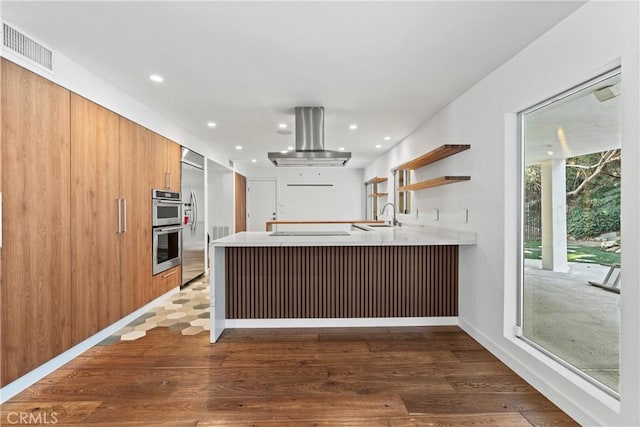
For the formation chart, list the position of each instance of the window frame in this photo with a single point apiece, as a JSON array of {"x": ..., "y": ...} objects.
[{"x": 519, "y": 333}]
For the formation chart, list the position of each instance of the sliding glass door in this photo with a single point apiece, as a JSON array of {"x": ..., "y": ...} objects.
[{"x": 570, "y": 228}]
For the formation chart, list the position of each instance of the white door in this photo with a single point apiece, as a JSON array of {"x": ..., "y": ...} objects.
[{"x": 261, "y": 203}]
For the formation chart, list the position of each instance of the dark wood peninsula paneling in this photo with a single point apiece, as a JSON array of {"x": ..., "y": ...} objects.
[{"x": 341, "y": 282}]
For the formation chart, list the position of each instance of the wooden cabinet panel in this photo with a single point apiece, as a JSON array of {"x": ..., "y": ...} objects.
[
  {"x": 240, "y": 202},
  {"x": 36, "y": 280},
  {"x": 135, "y": 189},
  {"x": 157, "y": 167},
  {"x": 173, "y": 166},
  {"x": 167, "y": 280},
  {"x": 165, "y": 163},
  {"x": 95, "y": 241}
]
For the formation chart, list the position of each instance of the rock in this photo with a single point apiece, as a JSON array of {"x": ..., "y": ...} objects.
[
  {"x": 608, "y": 244},
  {"x": 608, "y": 236},
  {"x": 618, "y": 250}
]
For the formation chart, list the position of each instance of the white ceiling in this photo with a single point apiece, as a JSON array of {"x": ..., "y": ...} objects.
[
  {"x": 575, "y": 125},
  {"x": 386, "y": 66}
]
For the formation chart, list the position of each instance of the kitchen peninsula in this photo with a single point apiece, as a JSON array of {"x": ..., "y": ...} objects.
[{"x": 263, "y": 279}]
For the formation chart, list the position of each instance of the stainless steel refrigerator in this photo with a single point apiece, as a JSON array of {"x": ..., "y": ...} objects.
[{"x": 193, "y": 234}]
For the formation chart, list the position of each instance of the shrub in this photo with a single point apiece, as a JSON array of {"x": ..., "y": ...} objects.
[{"x": 593, "y": 221}]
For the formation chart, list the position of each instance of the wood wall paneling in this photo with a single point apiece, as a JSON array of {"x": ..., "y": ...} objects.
[
  {"x": 240, "y": 202},
  {"x": 95, "y": 241},
  {"x": 341, "y": 282},
  {"x": 136, "y": 163},
  {"x": 36, "y": 282}
]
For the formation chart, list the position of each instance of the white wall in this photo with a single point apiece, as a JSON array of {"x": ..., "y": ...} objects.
[
  {"x": 597, "y": 37},
  {"x": 343, "y": 201},
  {"x": 220, "y": 196}
]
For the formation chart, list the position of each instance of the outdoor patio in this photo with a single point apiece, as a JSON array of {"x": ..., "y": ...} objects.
[{"x": 577, "y": 322}]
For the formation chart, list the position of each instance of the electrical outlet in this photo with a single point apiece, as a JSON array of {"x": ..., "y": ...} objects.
[
  {"x": 465, "y": 215},
  {"x": 436, "y": 214}
]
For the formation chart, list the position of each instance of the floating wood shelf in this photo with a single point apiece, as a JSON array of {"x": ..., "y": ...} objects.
[
  {"x": 436, "y": 182},
  {"x": 378, "y": 194},
  {"x": 433, "y": 156},
  {"x": 377, "y": 180}
]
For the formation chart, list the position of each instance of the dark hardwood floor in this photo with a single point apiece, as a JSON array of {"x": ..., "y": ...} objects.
[{"x": 426, "y": 376}]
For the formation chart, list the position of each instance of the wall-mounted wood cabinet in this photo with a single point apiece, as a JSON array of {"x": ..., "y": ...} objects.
[
  {"x": 166, "y": 156},
  {"x": 36, "y": 253},
  {"x": 76, "y": 254},
  {"x": 96, "y": 217},
  {"x": 117, "y": 163},
  {"x": 136, "y": 160}
]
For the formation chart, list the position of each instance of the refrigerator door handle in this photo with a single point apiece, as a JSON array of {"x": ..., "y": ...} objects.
[{"x": 195, "y": 210}]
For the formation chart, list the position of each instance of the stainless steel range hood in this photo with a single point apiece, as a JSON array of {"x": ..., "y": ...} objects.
[{"x": 310, "y": 143}]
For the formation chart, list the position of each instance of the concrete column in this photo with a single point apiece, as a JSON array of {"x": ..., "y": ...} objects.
[{"x": 554, "y": 215}]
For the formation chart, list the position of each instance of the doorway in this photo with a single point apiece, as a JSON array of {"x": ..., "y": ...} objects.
[{"x": 261, "y": 203}]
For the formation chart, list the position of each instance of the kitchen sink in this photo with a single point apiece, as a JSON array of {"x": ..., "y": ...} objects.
[{"x": 380, "y": 225}]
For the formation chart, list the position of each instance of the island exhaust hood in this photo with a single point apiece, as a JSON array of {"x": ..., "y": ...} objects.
[{"x": 310, "y": 143}]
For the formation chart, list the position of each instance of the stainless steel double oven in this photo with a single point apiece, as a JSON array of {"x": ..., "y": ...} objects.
[{"x": 167, "y": 229}]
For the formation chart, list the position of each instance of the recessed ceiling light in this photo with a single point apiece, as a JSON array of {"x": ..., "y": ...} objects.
[
  {"x": 282, "y": 125},
  {"x": 289, "y": 148},
  {"x": 378, "y": 145},
  {"x": 253, "y": 160},
  {"x": 353, "y": 127},
  {"x": 341, "y": 149},
  {"x": 550, "y": 153},
  {"x": 211, "y": 124},
  {"x": 284, "y": 151},
  {"x": 238, "y": 147},
  {"x": 387, "y": 138},
  {"x": 156, "y": 78}
]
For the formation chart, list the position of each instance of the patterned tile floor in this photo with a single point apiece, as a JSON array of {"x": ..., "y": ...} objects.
[{"x": 186, "y": 312}]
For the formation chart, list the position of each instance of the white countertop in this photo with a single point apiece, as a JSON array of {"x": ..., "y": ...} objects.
[{"x": 396, "y": 236}]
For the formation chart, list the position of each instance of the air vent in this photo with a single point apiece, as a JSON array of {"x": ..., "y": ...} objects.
[{"x": 26, "y": 47}]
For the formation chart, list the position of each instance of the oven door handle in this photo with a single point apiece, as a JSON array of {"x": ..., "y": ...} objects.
[
  {"x": 167, "y": 229},
  {"x": 167, "y": 202}
]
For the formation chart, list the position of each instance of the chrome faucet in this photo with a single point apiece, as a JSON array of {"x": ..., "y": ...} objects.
[{"x": 393, "y": 209}]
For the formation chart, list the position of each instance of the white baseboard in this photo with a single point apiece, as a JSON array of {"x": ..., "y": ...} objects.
[
  {"x": 581, "y": 413},
  {"x": 25, "y": 381},
  {"x": 344, "y": 323}
]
